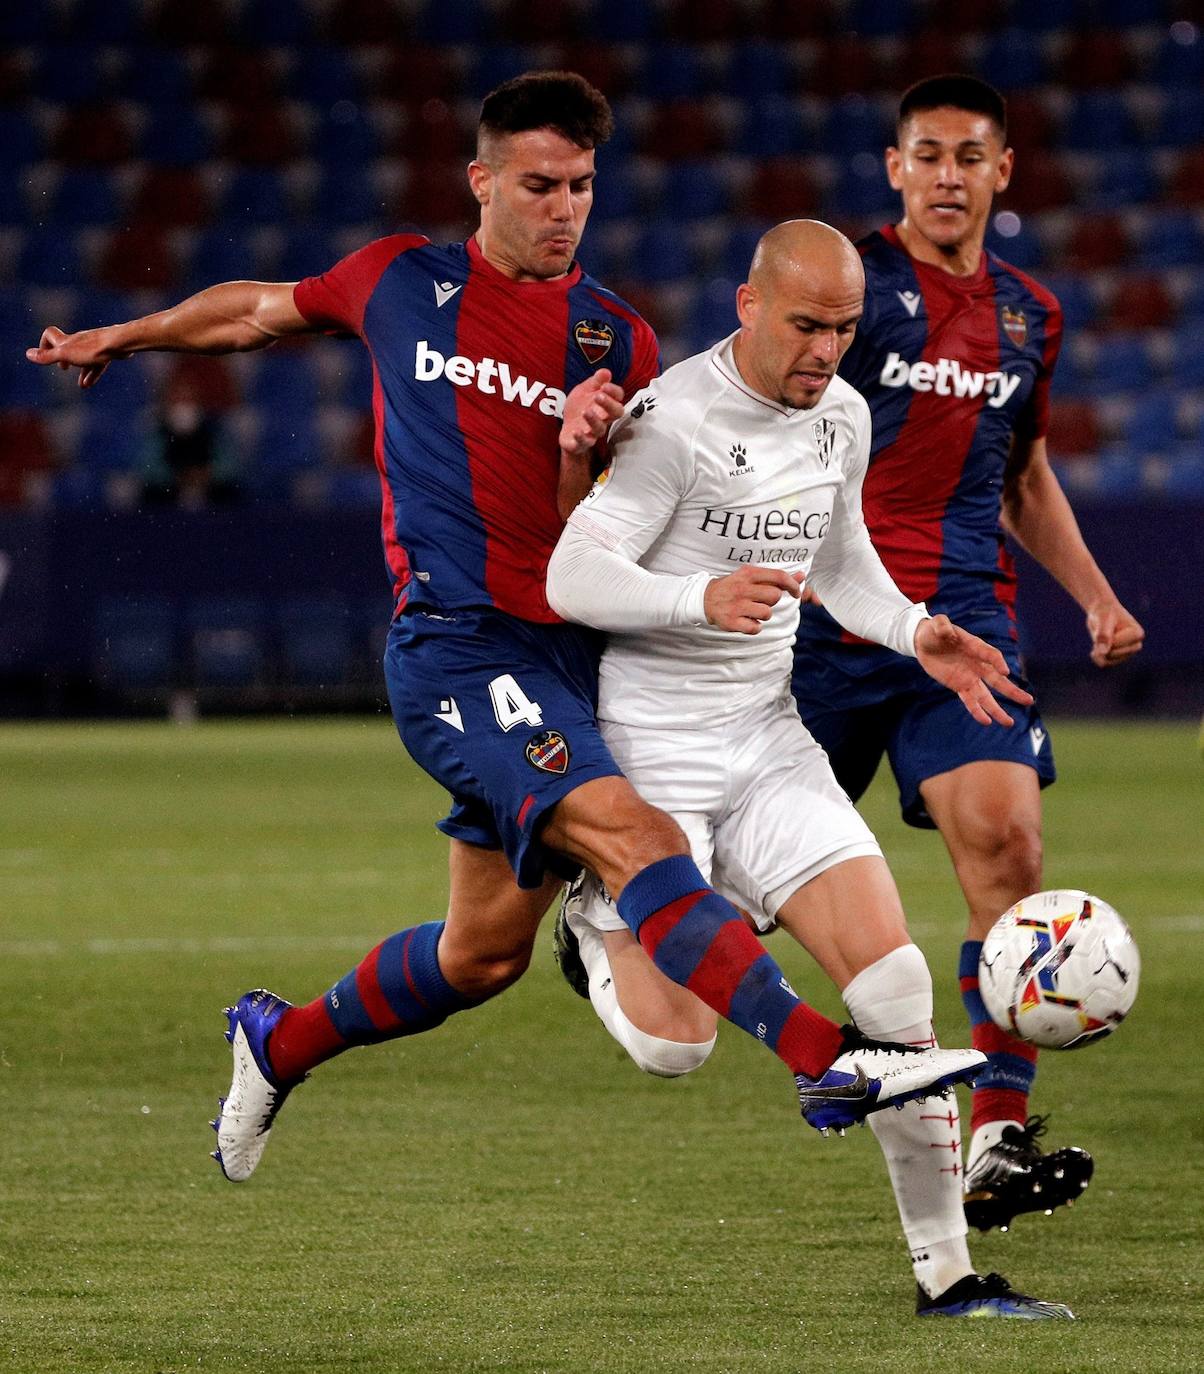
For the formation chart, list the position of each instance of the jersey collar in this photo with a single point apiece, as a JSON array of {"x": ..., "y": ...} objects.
[
  {"x": 723, "y": 360},
  {"x": 931, "y": 272}
]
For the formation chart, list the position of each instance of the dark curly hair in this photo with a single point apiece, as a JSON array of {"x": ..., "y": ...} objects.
[{"x": 562, "y": 101}]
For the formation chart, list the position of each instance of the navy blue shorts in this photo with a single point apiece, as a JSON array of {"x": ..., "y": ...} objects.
[
  {"x": 501, "y": 712},
  {"x": 862, "y": 703}
]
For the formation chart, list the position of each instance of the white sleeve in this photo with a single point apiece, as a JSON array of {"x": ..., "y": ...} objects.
[
  {"x": 848, "y": 575},
  {"x": 594, "y": 575}
]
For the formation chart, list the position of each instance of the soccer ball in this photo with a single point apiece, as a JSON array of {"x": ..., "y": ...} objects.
[{"x": 1059, "y": 969}]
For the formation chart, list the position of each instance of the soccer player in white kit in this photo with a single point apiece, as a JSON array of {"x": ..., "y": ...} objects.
[{"x": 734, "y": 479}]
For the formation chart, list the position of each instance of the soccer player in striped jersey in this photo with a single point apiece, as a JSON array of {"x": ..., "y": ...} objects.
[
  {"x": 954, "y": 354},
  {"x": 492, "y": 383}
]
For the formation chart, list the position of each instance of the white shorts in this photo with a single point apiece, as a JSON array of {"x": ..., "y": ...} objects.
[{"x": 758, "y": 802}]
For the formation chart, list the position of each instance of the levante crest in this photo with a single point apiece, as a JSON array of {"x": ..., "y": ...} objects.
[
  {"x": 1015, "y": 326},
  {"x": 594, "y": 338}
]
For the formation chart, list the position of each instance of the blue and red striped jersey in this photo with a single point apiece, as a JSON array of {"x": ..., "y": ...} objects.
[
  {"x": 952, "y": 367},
  {"x": 470, "y": 374}
]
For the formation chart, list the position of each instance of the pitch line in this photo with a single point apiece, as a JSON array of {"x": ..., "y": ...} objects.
[
  {"x": 1189, "y": 924},
  {"x": 174, "y": 944}
]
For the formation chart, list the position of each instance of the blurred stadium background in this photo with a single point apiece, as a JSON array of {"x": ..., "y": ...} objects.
[{"x": 151, "y": 147}]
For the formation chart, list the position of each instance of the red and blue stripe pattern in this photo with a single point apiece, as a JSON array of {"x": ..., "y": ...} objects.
[
  {"x": 470, "y": 374},
  {"x": 397, "y": 989},
  {"x": 951, "y": 367},
  {"x": 1001, "y": 1091},
  {"x": 698, "y": 939}
]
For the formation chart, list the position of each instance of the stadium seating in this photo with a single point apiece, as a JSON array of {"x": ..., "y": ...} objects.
[
  {"x": 227, "y": 641},
  {"x": 148, "y": 149},
  {"x": 135, "y": 643},
  {"x": 1184, "y": 477},
  {"x": 315, "y": 641}
]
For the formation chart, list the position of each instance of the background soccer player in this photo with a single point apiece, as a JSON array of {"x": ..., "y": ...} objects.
[
  {"x": 954, "y": 354},
  {"x": 476, "y": 349}
]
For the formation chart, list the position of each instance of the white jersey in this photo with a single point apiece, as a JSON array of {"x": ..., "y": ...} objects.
[{"x": 706, "y": 475}]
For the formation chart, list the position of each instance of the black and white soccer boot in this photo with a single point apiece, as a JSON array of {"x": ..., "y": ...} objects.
[
  {"x": 869, "y": 1075},
  {"x": 1015, "y": 1175},
  {"x": 565, "y": 944},
  {"x": 988, "y": 1295}
]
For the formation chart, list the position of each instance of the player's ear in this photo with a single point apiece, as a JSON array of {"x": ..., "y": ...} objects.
[
  {"x": 747, "y": 302},
  {"x": 1006, "y": 163},
  {"x": 894, "y": 168},
  {"x": 480, "y": 180}
]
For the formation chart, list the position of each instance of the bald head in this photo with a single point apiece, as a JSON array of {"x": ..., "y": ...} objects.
[
  {"x": 798, "y": 311},
  {"x": 808, "y": 255}
]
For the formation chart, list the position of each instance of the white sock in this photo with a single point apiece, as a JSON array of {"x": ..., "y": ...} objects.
[
  {"x": 892, "y": 1000},
  {"x": 988, "y": 1134},
  {"x": 664, "y": 1058}
]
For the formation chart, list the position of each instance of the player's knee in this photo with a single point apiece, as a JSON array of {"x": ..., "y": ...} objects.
[
  {"x": 636, "y": 836},
  {"x": 609, "y": 827},
  {"x": 663, "y": 1057},
  {"x": 1026, "y": 855},
  {"x": 646, "y": 834},
  {"x": 892, "y": 993},
  {"x": 1011, "y": 849}
]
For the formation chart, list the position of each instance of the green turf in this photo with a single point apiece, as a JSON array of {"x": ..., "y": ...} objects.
[{"x": 507, "y": 1193}]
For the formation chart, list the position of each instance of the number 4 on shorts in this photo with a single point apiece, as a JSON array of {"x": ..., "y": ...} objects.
[{"x": 511, "y": 705}]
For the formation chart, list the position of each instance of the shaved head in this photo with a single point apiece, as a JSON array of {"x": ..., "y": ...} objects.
[
  {"x": 798, "y": 311},
  {"x": 809, "y": 253}
]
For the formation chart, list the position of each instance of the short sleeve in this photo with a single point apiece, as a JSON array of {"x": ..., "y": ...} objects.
[
  {"x": 337, "y": 299},
  {"x": 1033, "y": 420},
  {"x": 645, "y": 360}
]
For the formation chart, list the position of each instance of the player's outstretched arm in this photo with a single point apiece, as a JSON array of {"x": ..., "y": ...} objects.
[
  {"x": 969, "y": 666},
  {"x": 1037, "y": 513},
  {"x": 233, "y": 317}
]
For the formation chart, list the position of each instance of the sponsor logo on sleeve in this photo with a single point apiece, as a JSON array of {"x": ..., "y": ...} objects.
[{"x": 600, "y": 481}]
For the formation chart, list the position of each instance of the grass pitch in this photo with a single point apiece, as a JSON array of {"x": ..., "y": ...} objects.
[{"x": 508, "y": 1193}]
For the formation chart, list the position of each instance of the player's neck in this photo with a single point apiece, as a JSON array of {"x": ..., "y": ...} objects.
[
  {"x": 959, "y": 260},
  {"x": 500, "y": 261},
  {"x": 747, "y": 372}
]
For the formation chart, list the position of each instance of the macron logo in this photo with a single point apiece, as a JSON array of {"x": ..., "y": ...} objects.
[
  {"x": 947, "y": 378},
  {"x": 444, "y": 291},
  {"x": 448, "y": 711},
  {"x": 430, "y": 365}
]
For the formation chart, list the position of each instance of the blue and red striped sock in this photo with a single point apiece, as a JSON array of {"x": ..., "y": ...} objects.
[
  {"x": 398, "y": 989},
  {"x": 1001, "y": 1090},
  {"x": 697, "y": 938}
]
